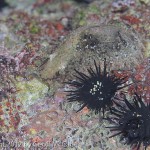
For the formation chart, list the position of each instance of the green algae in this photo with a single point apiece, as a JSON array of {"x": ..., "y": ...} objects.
[
  {"x": 31, "y": 91},
  {"x": 33, "y": 28},
  {"x": 147, "y": 49}
]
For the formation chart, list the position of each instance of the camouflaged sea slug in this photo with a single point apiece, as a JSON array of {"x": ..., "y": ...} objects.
[{"x": 117, "y": 42}]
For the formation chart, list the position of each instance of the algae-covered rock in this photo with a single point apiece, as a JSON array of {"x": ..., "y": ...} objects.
[
  {"x": 145, "y": 1},
  {"x": 147, "y": 48},
  {"x": 21, "y": 4},
  {"x": 9, "y": 43},
  {"x": 30, "y": 91},
  {"x": 116, "y": 42}
]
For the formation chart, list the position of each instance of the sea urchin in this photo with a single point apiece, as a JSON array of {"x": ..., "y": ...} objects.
[
  {"x": 133, "y": 122},
  {"x": 96, "y": 90}
]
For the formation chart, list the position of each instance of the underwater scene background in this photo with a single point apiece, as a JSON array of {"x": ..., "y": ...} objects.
[{"x": 74, "y": 74}]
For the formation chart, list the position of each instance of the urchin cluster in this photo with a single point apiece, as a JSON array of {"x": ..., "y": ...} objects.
[
  {"x": 132, "y": 122},
  {"x": 95, "y": 90}
]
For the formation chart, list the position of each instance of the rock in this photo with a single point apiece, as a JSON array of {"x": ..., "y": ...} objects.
[
  {"x": 9, "y": 43},
  {"x": 29, "y": 92}
]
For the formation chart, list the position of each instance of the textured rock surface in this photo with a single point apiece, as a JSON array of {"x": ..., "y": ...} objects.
[
  {"x": 30, "y": 91},
  {"x": 30, "y": 33}
]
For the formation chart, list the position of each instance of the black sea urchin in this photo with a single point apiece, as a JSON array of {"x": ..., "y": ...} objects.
[
  {"x": 133, "y": 122},
  {"x": 84, "y": 1},
  {"x": 96, "y": 90},
  {"x": 3, "y": 4}
]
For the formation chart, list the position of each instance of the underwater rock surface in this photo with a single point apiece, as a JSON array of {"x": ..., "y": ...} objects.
[{"x": 30, "y": 91}]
